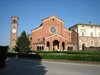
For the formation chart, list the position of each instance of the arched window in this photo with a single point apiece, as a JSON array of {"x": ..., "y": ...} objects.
[
  {"x": 91, "y": 34},
  {"x": 48, "y": 45},
  {"x": 42, "y": 47},
  {"x": 37, "y": 47},
  {"x": 14, "y": 21},
  {"x": 82, "y": 33}
]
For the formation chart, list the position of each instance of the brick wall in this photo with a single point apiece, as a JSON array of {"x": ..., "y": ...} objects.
[{"x": 43, "y": 31}]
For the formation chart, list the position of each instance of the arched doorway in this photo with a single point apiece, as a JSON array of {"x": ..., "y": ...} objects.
[
  {"x": 55, "y": 45},
  {"x": 48, "y": 45},
  {"x": 83, "y": 46},
  {"x": 63, "y": 45},
  {"x": 38, "y": 48}
]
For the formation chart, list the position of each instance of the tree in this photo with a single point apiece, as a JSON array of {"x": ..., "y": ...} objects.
[{"x": 23, "y": 43}]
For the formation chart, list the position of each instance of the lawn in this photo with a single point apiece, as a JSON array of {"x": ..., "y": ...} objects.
[{"x": 61, "y": 55}]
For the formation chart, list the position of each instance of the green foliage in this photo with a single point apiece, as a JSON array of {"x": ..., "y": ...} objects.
[
  {"x": 74, "y": 57},
  {"x": 12, "y": 55},
  {"x": 70, "y": 55},
  {"x": 84, "y": 52},
  {"x": 67, "y": 55},
  {"x": 49, "y": 52},
  {"x": 69, "y": 52},
  {"x": 7, "y": 46},
  {"x": 24, "y": 56},
  {"x": 29, "y": 56},
  {"x": 23, "y": 43}
]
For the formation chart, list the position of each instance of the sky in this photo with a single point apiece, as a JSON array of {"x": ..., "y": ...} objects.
[{"x": 31, "y": 12}]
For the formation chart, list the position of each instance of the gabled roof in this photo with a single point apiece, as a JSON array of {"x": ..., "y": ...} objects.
[
  {"x": 37, "y": 28},
  {"x": 47, "y": 19},
  {"x": 52, "y": 17}
]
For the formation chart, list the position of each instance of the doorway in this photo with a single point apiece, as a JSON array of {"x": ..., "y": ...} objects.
[
  {"x": 55, "y": 45},
  {"x": 63, "y": 45}
]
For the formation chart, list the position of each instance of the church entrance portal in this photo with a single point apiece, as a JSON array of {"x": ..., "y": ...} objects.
[{"x": 55, "y": 45}]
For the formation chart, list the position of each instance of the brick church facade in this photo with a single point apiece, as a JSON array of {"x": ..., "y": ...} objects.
[{"x": 52, "y": 35}]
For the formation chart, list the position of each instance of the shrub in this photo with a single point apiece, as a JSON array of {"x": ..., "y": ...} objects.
[
  {"x": 24, "y": 56},
  {"x": 75, "y": 57},
  {"x": 84, "y": 52},
  {"x": 69, "y": 52},
  {"x": 29, "y": 56},
  {"x": 12, "y": 55},
  {"x": 49, "y": 52},
  {"x": 60, "y": 55}
]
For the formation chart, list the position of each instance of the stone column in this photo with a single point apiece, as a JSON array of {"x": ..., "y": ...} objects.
[
  {"x": 51, "y": 46},
  {"x": 45, "y": 48},
  {"x": 66, "y": 45}
]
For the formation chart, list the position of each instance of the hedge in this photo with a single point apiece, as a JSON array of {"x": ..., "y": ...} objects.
[
  {"x": 74, "y": 57},
  {"x": 12, "y": 55},
  {"x": 84, "y": 52},
  {"x": 69, "y": 52},
  {"x": 49, "y": 51},
  {"x": 24, "y": 56},
  {"x": 66, "y": 55}
]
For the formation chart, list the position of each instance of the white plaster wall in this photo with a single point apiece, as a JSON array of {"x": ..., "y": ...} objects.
[
  {"x": 88, "y": 30},
  {"x": 97, "y": 31}
]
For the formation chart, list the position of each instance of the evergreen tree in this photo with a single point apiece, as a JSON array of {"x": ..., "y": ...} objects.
[{"x": 23, "y": 43}]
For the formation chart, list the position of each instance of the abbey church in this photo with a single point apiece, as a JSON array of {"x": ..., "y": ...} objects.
[{"x": 51, "y": 35}]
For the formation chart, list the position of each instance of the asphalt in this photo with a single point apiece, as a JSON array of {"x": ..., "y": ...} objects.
[
  {"x": 31, "y": 67},
  {"x": 22, "y": 67}
]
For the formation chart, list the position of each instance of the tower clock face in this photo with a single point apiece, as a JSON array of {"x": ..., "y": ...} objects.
[
  {"x": 53, "y": 29},
  {"x": 13, "y": 30}
]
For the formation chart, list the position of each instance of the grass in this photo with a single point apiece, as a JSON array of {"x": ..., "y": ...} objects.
[
  {"x": 62, "y": 55},
  {"x": 69, "y": 52},
  {"x": 71, "y": 55},
  {"x": 75, "y": 57}
]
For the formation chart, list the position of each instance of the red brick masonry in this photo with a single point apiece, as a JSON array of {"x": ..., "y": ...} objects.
[{"x": 52, "y": 35}]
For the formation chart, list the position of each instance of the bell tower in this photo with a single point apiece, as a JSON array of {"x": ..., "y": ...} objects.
[{"x": 14, "y": 31}]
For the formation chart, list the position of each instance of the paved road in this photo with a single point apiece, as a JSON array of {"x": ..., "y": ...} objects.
[
  {"x": 30, "y": 67},
  {"x": 61, "y": 68}
]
